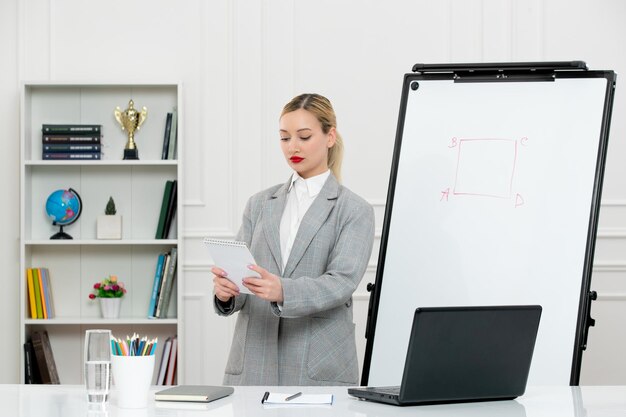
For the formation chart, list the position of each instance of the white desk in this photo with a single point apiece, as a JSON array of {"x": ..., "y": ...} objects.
[{"x": 70, "y": 401}]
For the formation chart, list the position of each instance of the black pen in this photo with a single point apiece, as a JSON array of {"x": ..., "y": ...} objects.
[
  {"x": 267, "y": 394},
  {"x": 291, "y": 397}
]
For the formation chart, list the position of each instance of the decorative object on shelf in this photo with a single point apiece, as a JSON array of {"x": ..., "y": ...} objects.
[
  {"x": 110, "y": 292},
  {"x": 64, "y": 208},
  {"x": 131, "y": 120},
  {"x": 71, "y": 141},
  {"x": 109, "y": 225},
  {"x": 110, "y": 307}
]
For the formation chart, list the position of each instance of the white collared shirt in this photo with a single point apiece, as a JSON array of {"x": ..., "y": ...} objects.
[{"x": 300, "y": 196}]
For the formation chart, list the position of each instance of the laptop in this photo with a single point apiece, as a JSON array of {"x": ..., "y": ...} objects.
[{"x": 464, "y": 354}]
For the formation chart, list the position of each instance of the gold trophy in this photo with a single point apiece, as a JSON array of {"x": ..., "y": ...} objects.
[{"x": 130, "y": 120}]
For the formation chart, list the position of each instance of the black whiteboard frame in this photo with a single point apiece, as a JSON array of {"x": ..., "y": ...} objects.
[{"x": 503, "y": 72}]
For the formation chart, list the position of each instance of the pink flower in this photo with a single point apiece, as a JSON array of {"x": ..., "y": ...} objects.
[{"x": 108, "y": 287}]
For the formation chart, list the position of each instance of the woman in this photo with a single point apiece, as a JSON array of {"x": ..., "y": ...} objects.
[{"x": 312, "y": 239}]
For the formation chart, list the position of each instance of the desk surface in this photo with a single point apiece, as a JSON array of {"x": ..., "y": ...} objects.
[{"x": 70, "y": 401}]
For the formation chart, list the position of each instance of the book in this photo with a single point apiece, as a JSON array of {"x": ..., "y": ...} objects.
[
  {"x": 158, "y": 273},
  {"x": 73, "y": 129},
  {"x": 171, "y": 210},
  {"x": 31, "y": 293},
  {"x": 164, "y": 205},
  {"x": 193, "y": 393},
  {"x": 171, "y": 152},
  {"x": 28, "y": 365},
  {"x": 166, "y": 137},
  {"x": 44, "y": 307},
  {"x": 71, "y": 155},
  {"x": 44, "y": 357},
  {"x": 44, "y": 275},
  {"x": 234, "y": 258},
  {"x": 52, "y": 367},
  {"x": 42, "y": 290},
  {"x": 71, "y": 147},
  {"x": 67, "y": 139},
  {"x": 166, "y": 265},
  {"x": 38, "y": 293},
  {"x": 168, "y": 282},
  {"x": 165, "y": 356},
  {"x": 31, "y": 370},
  {"x": 172, "y": 362}
]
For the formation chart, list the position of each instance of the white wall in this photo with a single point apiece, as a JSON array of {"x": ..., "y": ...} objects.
[{"x": 241, "y": 60}]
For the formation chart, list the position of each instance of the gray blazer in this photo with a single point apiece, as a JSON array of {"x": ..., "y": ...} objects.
[{"x": 311, "y": 341}]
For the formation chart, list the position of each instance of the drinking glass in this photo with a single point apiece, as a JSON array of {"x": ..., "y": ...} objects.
[{"x": 98, "y": 365}]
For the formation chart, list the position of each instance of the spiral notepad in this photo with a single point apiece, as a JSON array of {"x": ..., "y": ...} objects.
[{"x": 234, "y": 258}]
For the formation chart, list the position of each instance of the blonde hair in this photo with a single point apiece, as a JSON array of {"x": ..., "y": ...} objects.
[{"x": 321, "y": 108}]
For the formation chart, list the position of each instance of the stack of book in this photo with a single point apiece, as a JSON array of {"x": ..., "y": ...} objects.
[
  {"x": 164, "y": 277},
  {"x": 39, "y": 293},
  {"x": 167, "y": 369},
  {"x": 71, "y": 141},
  {"x": 39, "y": 364}
]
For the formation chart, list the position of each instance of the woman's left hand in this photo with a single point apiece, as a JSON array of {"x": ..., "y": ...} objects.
[{"x": 268, "y": 287}]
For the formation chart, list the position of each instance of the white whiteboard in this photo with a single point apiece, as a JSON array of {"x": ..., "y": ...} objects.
[{"x": 492, "y": 202}]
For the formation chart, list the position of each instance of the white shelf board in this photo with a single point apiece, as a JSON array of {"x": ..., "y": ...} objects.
[
  {"x": 113, "y": 162},
  {"x": 102, "y": 242},
  {"x": 96, "y": 320},
  {"x": 101, "y": 83}
]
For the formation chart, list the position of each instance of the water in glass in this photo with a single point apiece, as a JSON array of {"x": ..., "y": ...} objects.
[
  {"x": 98, "y": 380},
  {"x": 98, "y": 365}
]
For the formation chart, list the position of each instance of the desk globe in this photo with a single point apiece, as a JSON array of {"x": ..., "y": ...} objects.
[{"x": 64, "y": 208}]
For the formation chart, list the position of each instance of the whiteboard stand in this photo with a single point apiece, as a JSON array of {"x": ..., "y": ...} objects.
[{"x": 493, "y": 199}]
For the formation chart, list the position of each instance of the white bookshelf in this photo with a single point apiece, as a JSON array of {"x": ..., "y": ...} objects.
[{"x": 137, "y": 188}]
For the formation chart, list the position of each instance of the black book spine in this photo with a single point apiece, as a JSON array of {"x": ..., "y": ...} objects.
[
  {"x": 166, "y": 138},
  {"x": 40, "y": 357},
  {"x": 171, "y": 210},
  {"x": 28, "y": 365},
  {"x": 36, "y": 376},
  {"x": 71, "y": 129}
]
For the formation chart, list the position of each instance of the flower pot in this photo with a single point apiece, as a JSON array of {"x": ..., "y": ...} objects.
[
  {"x": 110, "y": 307},
  {"x": 109, "y": 227}
]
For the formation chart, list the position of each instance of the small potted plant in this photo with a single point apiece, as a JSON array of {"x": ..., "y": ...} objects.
[
  {"x": 110, "y": 292},
  {"x": 109, "y": 225}
]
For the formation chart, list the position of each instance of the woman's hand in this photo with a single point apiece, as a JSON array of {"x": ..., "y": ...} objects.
[
  {"x": 223, "y": 288},
  {"x": 268, "y": 287}
]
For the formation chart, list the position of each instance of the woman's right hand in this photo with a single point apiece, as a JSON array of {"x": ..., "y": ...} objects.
[{"x": 224, "y": 289}]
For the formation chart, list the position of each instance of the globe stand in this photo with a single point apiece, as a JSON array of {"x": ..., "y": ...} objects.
[
  {"x": 61, "y": 234},
  {"x": 64, "y": 211}
]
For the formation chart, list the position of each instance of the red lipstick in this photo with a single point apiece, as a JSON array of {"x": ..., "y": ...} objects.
[{"x": 296, "y": 159}]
